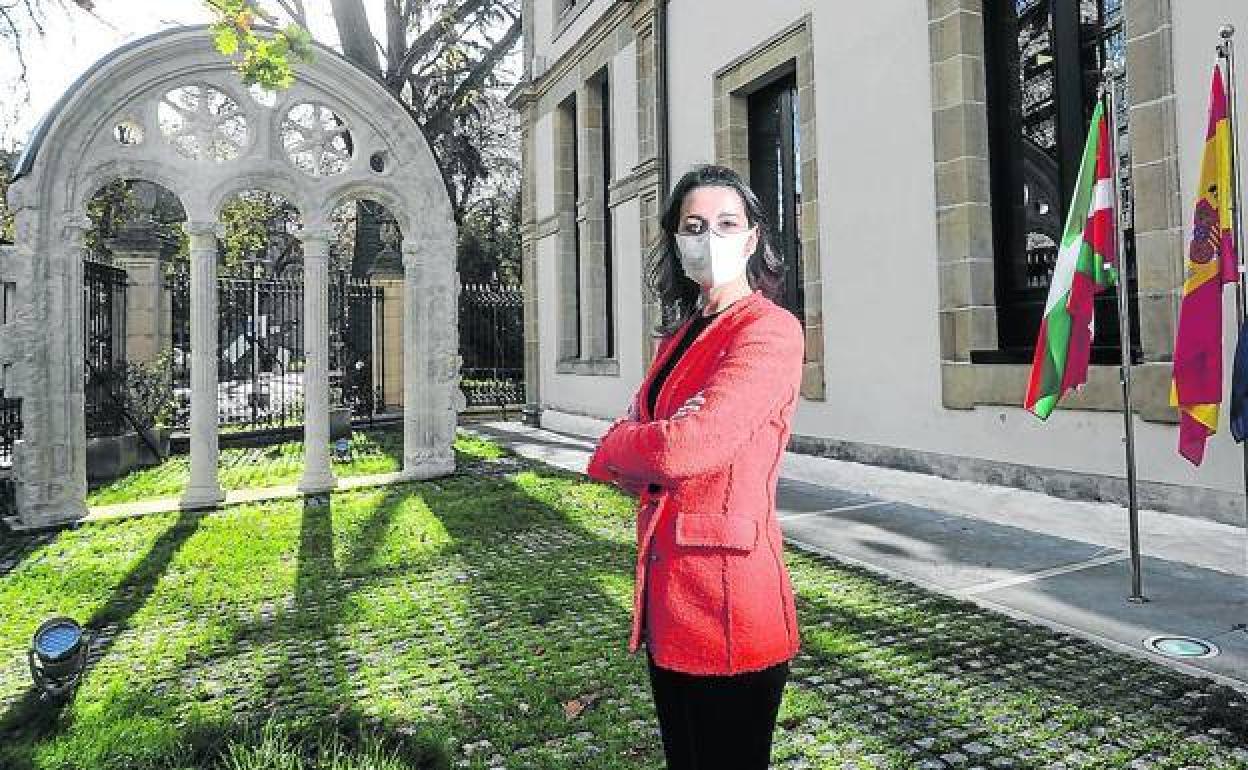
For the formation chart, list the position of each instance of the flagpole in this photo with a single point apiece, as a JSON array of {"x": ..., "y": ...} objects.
[
  {"x": 1227, "y": 52},
  {"x": 1124, "y": 333}
]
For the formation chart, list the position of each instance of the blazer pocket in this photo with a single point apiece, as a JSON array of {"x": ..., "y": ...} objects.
[{"x": 714, "y": 529}]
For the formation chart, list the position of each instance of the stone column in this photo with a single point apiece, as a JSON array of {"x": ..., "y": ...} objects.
[
  {"x": 528, "y": 255},
  {"x": 204, "y": 489},
  {"x": 649, "y": 160},
  {"x": 431, "y": 397},
  {"x": 317, "y": 475},
  {"x": 415, "y": 350},
  {"x": 50, "y": 461}
]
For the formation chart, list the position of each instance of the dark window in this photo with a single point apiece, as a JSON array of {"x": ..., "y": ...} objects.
[
  {"x": 571, "y": 146},
  {"x": 1043, "y": 61},
  {"x": 775, "y": 164},
  {"x": 606, "y": 209}
]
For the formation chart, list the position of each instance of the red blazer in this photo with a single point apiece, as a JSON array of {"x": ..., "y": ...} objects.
[{"x": 710, "y": 555}]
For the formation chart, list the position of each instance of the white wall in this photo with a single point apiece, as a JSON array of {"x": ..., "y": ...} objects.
[
  {"x": 545, "y": 22},
  {"x": 623, "y": 71},
  {"x": 878, "y": 245},
  {"x": 547, "y": 323},
  {"x": 544, "y": 164}
]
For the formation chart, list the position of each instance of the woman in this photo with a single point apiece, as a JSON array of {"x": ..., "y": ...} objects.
[{"x": 702, "y": 444}]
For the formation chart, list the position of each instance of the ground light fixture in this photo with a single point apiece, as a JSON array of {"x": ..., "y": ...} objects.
[
  {"x": 342, "y": 450},
  {"x": 58, "y": 655},
  {"x": 1173, "y": 646}
]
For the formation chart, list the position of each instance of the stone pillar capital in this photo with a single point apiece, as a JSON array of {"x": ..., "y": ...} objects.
[
  {"x": 203, "y": 228},
  {"x": 203, "y": 236},
  {"x": 413, "y": 255},
  {"x": 75, "y": 227},
  {"x": 315, "y": 243}
]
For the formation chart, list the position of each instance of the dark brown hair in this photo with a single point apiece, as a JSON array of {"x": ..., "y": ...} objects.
[{"x": 676, "y": 292}]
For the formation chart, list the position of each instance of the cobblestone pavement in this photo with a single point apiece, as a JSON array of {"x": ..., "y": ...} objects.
[{"x": 486, "y": 626}]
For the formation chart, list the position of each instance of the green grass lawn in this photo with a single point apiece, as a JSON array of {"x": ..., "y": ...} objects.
[
  {"x": 372, "y": 451},
  {"x": 462, "y": 622}
]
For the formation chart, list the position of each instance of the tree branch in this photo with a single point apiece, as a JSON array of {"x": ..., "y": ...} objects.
[
  {"x": 295, "y": 10},
  {"x": 425, "y": 40},
  {"x": 446, "y": 114},
  {"x": 357, "y": 40}
]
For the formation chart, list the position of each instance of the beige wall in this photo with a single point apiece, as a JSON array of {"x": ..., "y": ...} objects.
[
  {"x": 878, "y": 241},
  {"x": 1196, "y": 24}
]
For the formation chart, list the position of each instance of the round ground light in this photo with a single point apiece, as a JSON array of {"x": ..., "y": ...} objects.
[{"x": 1182, "y": 646}]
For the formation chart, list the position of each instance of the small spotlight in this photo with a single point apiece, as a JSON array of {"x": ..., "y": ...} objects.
[
  {"x": 342, "y": 450},
  {"x": 58, "y": 655}
]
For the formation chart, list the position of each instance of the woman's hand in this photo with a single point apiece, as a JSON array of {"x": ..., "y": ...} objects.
[{"x": 689, "y": 407}]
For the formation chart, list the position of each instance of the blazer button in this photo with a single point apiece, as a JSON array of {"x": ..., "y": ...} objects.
[{"x": 654, "y": 556}]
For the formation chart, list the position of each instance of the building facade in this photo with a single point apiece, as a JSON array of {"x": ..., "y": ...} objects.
[{"x": 917, "y": 158}]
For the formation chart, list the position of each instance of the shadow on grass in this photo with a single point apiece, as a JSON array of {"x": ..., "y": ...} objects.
[
  {"x": 490, "y": 647},
  {"x": 525, "y": 626},
  {"x": 952, "y": 672},
  {"x": 31, "y": 719}
]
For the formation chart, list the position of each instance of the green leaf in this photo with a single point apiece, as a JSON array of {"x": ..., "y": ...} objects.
[{"x": 225, "y": 39}]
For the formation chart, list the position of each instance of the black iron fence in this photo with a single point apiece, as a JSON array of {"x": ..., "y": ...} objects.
[
  {"x": 357, "y": 344},
  {"x": 10, "y": 426},
  {"x": 491, "y": 341},
  {"x": 104, "y": 342},
  {"x": 260, "y": 357},
  {"x": 260, "y": 352}
]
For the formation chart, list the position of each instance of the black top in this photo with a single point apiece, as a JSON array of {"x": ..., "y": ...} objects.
[{"x": 699, "y": 323}]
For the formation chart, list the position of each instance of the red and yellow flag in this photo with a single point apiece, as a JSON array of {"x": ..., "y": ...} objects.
[{"x": 1196, "y": 386}]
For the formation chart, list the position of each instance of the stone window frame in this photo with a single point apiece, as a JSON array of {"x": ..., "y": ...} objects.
[
  {"x": 619, "y": 26},
  {"x": 583, "y": 249},
  {"x": 790, "y": 51},
  {"x": 566, "y": 14},
  {"x": 967, "y": 312},
  {"x": 568, "y": 281}
]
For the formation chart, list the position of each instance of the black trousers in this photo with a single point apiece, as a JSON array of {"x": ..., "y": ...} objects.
[{"x": 720, "y": 722}]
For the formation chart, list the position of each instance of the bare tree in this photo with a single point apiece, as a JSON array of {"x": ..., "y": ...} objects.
[{"x": 20, "y": 18}]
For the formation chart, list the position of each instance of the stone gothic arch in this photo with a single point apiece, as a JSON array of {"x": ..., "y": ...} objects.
[{"x": 170, "y": 109}]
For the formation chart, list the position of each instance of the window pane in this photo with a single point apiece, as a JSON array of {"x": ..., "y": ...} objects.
[
  {"x": 1041, "y": 193},
  {"x": 774, "y": 175},
  {"x": 1044, "y": 60}
]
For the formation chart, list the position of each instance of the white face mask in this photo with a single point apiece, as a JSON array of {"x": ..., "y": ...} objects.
[{"x": 712, "y": 259}]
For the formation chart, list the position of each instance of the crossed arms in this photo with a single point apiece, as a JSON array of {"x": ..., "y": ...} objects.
[{"x": 760, "y": 372}]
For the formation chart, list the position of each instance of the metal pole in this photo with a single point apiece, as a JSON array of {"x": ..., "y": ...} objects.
[
  {"x": 1227, "y": 52},
  {"x": 1124, "y": 330}
]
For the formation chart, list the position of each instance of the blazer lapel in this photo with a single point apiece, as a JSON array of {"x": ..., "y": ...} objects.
[{"x": 694, "y": 346}]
